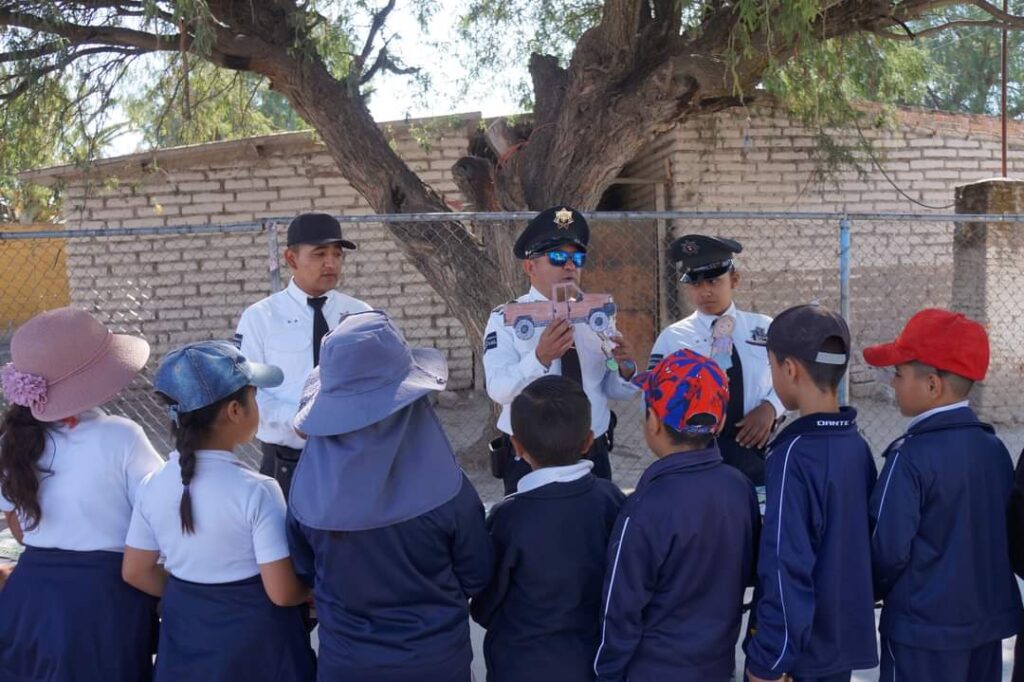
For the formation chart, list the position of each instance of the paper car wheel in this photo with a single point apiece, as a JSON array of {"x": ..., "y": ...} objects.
[
  {"x": 599, "y": 321},
  {"x": 524, "y": 328}
]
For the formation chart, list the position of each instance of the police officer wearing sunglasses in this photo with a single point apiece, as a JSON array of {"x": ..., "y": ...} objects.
[{"x": 553, "y": 251}]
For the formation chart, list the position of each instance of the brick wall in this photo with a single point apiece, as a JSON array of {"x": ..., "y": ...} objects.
[
  {"x": 763, "y": 160},
  {"x": 187, "y": 287}
]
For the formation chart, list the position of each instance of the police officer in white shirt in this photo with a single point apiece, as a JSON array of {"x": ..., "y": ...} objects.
[
  {"x": 719, "y": 330},
  {"x": 553, "y": 249},
  {"x": 285, "y": 329}
]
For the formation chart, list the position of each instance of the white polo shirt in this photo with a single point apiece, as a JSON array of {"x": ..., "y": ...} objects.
[
  {"x": 239, "y": 518},
  {"x": 510, "y": 364},
  {"x": 694, "y": 332},
  {"x": 95, "y": 469},
  {"x": 279, "y": 331}
]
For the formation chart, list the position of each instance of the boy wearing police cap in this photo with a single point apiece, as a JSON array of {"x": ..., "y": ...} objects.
[
  {"x": 285, "y": 329},
  {"x": 717, "y": 329},
  {"x": 553, "y": 250}
]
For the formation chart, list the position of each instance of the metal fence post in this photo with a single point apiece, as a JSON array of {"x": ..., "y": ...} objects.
[
  {"x": 273, "y": 256},
  {"x": 844, "y": 295}
]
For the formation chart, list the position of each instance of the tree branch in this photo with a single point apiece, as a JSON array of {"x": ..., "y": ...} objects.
[
  {"x": 961, "y": 23},
  {"x": 92, "y": 35},
  {"x": 35, "y": 74},
  {"x": 44, "y": 50},
  {"x": 384, "y": 62},
  {"x": 1010, "y": 20},
  {"x": 357, "y": 77}
]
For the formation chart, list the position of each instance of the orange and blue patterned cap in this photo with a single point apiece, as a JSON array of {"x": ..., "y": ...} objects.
[{"x": 687, "y": 391}]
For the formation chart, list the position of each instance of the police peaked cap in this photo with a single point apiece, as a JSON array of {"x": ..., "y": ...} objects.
[
  {"x": 702, "y": 257},
  {"x": 556, "y": 226}
]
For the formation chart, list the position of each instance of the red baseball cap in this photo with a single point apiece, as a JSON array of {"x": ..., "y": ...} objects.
[
  {"x": 688, "y": 392},
  {"x": 941, "y": 339}
]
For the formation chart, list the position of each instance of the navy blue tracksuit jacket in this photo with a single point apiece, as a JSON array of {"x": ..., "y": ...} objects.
[
  {"x": 939, "y": 544},
  {"x": 681, "y": 555},
  {"x": 542, "y": 609},
  {"x": 393, "y": 601},
  {"x": 814, "y": 610}
]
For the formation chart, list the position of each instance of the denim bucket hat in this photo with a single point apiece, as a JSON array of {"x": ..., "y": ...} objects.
[
  {"x": 200, "y": 374},
  {"x": 367, "y": 372}
]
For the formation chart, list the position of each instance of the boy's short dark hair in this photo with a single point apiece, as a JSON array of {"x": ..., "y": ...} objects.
[
  {"x": 690, "y": 441},
  {"x": 551, "y": 420},
  {"x": 961, "y": 385},
  {"x": 825, "y": 377}
]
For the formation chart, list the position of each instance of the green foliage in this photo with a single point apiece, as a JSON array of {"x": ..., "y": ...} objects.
[
  {"x": 963, "y": 66},
  {"x": 496, "y": 36},
  {"x": 45, "y": 129},
  {"x": 821, "y": 81},
  {"x": 221, "y": 105}
]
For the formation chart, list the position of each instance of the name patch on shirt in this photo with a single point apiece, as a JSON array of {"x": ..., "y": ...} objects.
[
  {"x": 833, "y": 422},
  {"x": 237, "y": 340},
  {"x": 491, "y": 341}
]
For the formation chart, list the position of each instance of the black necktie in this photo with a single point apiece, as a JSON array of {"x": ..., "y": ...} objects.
[
  {"x": 571, "y": 366},
  {"x": 319, "y": 325}
]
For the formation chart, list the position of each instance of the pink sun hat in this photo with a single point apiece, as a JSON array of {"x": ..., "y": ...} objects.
[{"x": 64, "y": 362}]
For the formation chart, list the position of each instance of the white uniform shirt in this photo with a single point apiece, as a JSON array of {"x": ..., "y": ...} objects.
[
  {"x": 279, "y": 331},
  {"x": 510, "y": 364},
  {"x": 95, "y": 470},
  {"x": 239, "y": 518},
  {"x": 694, "y": 332}
]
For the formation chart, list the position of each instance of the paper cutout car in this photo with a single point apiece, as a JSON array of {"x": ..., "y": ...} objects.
[{"x": 568, "y": 301}]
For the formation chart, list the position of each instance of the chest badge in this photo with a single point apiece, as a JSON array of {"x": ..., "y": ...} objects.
[{"x": 758, "y": 336}]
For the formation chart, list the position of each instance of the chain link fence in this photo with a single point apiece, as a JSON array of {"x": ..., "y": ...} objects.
[{"x": 174, "y": 285}]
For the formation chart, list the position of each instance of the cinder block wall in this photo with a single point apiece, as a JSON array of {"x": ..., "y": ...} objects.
[
  {"x": 184, "y": 288},
  {"x": 765, "y": 160}
]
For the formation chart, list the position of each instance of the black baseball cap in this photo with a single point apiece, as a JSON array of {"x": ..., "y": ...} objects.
[
  {"x": 802, "y": 332},
  {"x": 702, "y": 257},
  {"x": 318, "y": 229},
  {"x": 552, "y": 228}
]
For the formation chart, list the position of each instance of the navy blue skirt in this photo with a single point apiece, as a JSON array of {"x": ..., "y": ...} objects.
[
  {"x": 68, "y": 616},
  {"x": 230, "y": 632}
]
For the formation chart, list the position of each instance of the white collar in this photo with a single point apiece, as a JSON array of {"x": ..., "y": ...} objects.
[
  {"x": 707, "y": 320},
  {"x": 206, "y": 455},
  {"x": 937, "y": 410},
  {"x": 535, "y": 295},
  {"x": 300, "y": 296},
  {"x": 565, "y": 474}
]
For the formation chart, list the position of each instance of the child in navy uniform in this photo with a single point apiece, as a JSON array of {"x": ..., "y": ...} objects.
[
  {"x": 939, "y": 544},
  {"x": 69, "y": 474},
  {"x": 386, "y": 526},
  {"x": 682, "y": 550},
  {"x": 542, "y": 609},
  {"x": 814, "y": 608},
  {"x": 221, "y": 528}
]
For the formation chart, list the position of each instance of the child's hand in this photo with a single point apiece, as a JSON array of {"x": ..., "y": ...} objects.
[
  {"x": 756, "y": 427},
  {"x": 623, "y": 354}
]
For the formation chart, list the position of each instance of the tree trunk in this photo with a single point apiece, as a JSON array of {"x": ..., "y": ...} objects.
[{"x": 453, "y": 260}]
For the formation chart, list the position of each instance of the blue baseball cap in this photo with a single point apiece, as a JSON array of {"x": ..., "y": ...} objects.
[{"x": 200, "y": 374}]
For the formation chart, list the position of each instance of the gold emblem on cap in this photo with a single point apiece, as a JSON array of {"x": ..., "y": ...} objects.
[{"x": 563, "y": 218}]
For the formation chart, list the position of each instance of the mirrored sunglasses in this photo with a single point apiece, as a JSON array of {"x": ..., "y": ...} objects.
[{"x": 559, "y": 258}]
